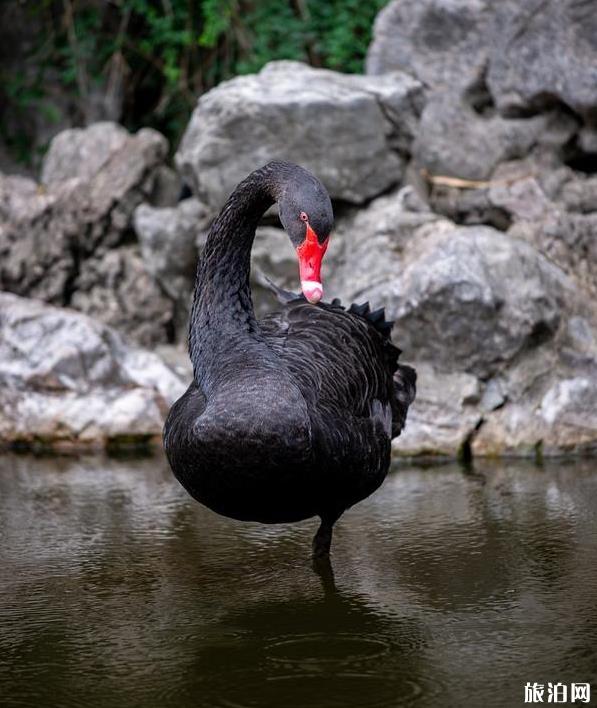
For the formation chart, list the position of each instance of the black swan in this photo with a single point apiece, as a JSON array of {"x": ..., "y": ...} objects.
[{"x": 290, "y": 416}]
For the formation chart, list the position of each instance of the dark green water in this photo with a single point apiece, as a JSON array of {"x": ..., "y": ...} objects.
[{"x": 451, "y": 589}]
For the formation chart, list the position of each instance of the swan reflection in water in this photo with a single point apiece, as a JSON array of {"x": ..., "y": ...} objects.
[{"x": 329, "y": 646}]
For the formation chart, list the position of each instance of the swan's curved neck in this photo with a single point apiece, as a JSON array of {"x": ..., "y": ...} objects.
[{"x": 222, "y": 316}]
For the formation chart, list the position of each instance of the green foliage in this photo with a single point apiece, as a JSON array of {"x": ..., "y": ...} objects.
[{"x": 163, "y": 53}]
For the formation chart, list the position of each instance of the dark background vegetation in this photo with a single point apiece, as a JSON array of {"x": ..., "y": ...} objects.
[{"x": 144, "y": 62}]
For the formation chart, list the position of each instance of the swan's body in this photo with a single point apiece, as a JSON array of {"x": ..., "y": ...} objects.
[{"x": 292, "y": 416}]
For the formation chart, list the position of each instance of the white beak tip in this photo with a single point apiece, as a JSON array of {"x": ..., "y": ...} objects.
[{"x": 312, "y": 290}]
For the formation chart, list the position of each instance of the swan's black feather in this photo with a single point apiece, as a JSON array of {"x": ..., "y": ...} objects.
[
  {"x": 361, "y": 310},
  {"x": 305, "y": 335},
  {"x": 339, "y": 359},
  {"x": 291, "y": 416},
  {"x": 356, "y": 392},
  {"x": 376, "y": 317}
]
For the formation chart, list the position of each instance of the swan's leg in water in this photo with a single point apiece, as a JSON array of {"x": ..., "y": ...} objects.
[
  {"x": 323, "y": 538},
  {"x": 323, "y": 568}
]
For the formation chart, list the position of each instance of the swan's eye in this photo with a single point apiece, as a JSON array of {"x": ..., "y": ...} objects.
[{"x": 303, "y": 216}]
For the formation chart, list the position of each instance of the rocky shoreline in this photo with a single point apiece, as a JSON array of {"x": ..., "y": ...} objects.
[{"x": 465, "y": 191}]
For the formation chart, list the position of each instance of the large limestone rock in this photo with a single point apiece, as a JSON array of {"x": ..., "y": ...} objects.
[
  {"x": 82, "y": 152},
  {"x": 540, "y": 201},
  {"x": 513, "y": 307},
  {"x": 544, "y": 51},
  {"x": 454, "y": 140},
  {"x": 464, "y": 298},
  {"x": 49, "y": 232},
  {"x": 348, "y": 130},
  {"x": 33, "y": 258},
  {"x": 171, "y": 239},
  {"x": 168, "y": 238},
  {"x": 68, "y": 380},
  {"x": 371, "y": 242},
  {"x": 530, "y": 54},
  {"x": 471, "y": 298},
  {"x": 548, "y": 396},
  {"x": 116, "y": 288},
  {"x": 494, "y": 327},
  {"x": 441, "y": 42}
]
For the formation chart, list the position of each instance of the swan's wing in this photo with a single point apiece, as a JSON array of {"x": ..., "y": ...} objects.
[{"x": 342, "y": 363}]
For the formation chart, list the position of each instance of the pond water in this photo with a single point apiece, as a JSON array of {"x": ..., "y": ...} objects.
[{"x": 450, "y": 588}]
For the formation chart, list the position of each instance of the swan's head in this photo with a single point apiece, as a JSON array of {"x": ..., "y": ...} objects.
[{"x": 307, "y": 216}]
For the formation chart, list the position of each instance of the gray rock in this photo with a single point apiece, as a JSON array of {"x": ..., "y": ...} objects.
[
  {"x": 177, "y": 358},
  {"x": 370, "y": 244},
  {"x": 494, "y": 395},
  {"x": 553, "y": 209},
  {"x": 562, "y": 420},
  {"x": 167, "y": 187},
  {"x": 473, "y": 299},
  {"x": 453, "y": 140},
  {"x": 518, "y": 192},
  {"x": 587, "y": 139},
  {"x": 341, "y": 127},
  {"x": 494, "y": 327},
  {"x": 68, "y": 380},
  {"x": 443, "y": 415},
  {"x": 579, "y": 194},
  {"x": 19, "y": 197},
  {"x": 544, "y": 51},
  {"x": 511, "y": 190},
  {"x": 466, "y": 299},
  {"x": 82, "y": 152},
  {"x": 569, "y": 240},
  {"x": 441, "y": 42},
  {"x": 168, "y": 238},
  {"x": 49, "y": 233},
  {"x": 35, "y": 237},
  {"x": 468, "y": 206},
  {"x": 522, "y": 55},
  {"x": 115, "y": 288}
]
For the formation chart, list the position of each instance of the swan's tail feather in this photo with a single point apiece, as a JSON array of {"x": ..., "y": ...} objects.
[
  {"x": 376, "y": 317},
  {"x": 361, "y": 310}
]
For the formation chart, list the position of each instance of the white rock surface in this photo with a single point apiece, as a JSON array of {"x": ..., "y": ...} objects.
[{"x": 67, "y": 379}]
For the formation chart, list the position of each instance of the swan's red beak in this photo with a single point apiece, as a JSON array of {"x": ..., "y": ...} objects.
[{"x": 310, "y": 254}]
